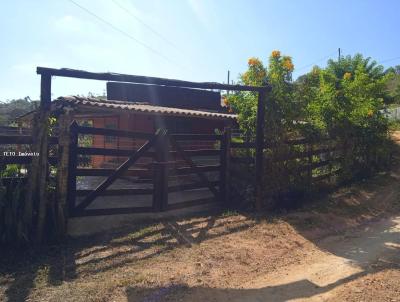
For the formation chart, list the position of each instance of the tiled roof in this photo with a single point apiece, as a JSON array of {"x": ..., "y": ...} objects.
[{"x": 141, "y": 107}]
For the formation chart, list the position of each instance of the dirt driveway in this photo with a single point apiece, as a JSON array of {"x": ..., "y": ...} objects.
[
  {"x": 324, "y": 272},
  {"x": 359, "y": 265}
]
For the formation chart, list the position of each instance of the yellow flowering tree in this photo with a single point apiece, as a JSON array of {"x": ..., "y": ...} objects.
[
  {"x": 245, "y": 103},
  {"x": 279, "y": 75}
]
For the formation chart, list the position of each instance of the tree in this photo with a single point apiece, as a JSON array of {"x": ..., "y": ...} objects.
[
  {"x": 12, "y": 109},
  {"x": 393, "y": 85},
  {"x": 346, "y": 104},
  {"x": 351, "y": 63},
  {"x": 280, "y": 100},
  {"x": 395, "y": 70}
]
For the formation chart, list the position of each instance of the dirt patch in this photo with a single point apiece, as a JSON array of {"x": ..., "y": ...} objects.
[{"x": 376, "y": 286}]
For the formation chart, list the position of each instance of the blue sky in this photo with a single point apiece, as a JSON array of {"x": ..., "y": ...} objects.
[{"x": 195, "y": 40}]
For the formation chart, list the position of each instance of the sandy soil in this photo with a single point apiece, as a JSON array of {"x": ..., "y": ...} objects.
[{"x": 359, "y": 265}]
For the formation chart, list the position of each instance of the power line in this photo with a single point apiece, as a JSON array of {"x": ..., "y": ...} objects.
[
  {"x": 319, "y": 60},
  {"x": 123, "y": 32},
  {"x": 388, "y": 60},
  {"x": 129, "y": 12}
]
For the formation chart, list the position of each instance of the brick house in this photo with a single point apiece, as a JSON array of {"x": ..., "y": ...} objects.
[{"x": 144, "y": 108}]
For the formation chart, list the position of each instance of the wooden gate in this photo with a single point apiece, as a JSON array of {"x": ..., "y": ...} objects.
[{"x": 160, "y": 162}]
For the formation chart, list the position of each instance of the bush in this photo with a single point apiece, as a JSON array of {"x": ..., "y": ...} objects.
[{"x": 341, "y": 102}]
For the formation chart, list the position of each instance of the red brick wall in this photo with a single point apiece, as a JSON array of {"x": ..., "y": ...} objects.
[
  {"x": 144, "y": 123},
  {"x": 132, "y": 122}
]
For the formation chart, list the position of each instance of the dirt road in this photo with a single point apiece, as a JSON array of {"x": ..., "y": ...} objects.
[
  {"x": 325, "y": 274},
  {"x": 320, "y": 276}
]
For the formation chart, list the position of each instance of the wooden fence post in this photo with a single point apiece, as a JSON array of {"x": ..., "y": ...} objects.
[
  {"x": 260, "y": 148},
  {"x": 72, "y": 165},
  {"x": 224, "y": 178},
  {"x": 36, "y": 199},
  {"x": 62, "y": 173},
  {"x": 160, "y": 180}
]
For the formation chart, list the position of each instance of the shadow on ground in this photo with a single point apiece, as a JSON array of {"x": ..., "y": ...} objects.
[{"x": 20, "y": 271}]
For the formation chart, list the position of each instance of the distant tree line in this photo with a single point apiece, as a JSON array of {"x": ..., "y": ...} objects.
[{"x": 12, "y": 109}]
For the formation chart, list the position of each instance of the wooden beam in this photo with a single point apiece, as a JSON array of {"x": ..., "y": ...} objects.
[
  {"x": 260, "y": 148},
  {"x": 62, "y": 174},
  {"x": 199, "y": 152},
  {"x": 189, "y": 170},
  {"x": 72, "y": 167},
  {"x": 117, "y": 192},
  {"x": 108, "y": 76},
  {"x": 24, "y": 159},
  {"x": 45, "y": 92},
  {"x": 204, "y": 137},
  {"x": 107, "y": 172},
  {"x": 191, "y": 186},
  {"x": 191, "y": 203},
  {"x": 109, "y": 152},
  {"x": 16, "y": 139},
  {"x": 225, "y": 167},
  {"x": 39, "y": 163},
  {"x": 112, "y": 211}
]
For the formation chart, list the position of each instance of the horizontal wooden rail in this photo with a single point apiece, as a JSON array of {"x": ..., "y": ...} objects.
[
  {"x": 252, "y": 145},
  {"x": 191, "y": 186},
  {"x": 122, "y": 152},
  {"x": 24, "y": 160},
  {"x": 107, "y": 172},
  {"x": 109, "y": 152},
  {"x": 22, "y": 139},
  {"x": 111, "y": 211},
  {"x": 194, "y": 137},
  {"x": 15, "y": 129},
  {"x": 116, "y": 192},
  {"x": 13, "y": 180},
  {"x": 113, "y": 132},
  {"x": 199, "y": 152},
  {"x": 191, "y": 203},
  {"x": 190, "y": 170}
]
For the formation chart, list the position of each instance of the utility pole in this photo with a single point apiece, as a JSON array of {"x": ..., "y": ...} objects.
[
  {"x": 339, "y": 54},
  {"x": 227, "y": 92}
]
